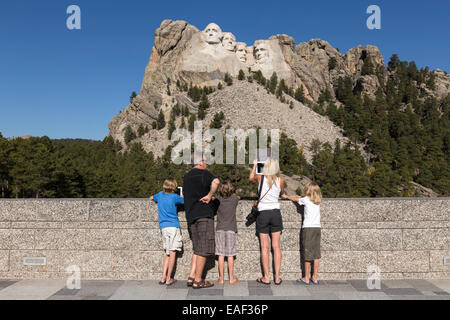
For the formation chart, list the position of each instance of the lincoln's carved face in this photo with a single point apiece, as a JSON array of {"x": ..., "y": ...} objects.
[
  {"x": 241, "y": 51},
  {"x": 229, "y": 41},
  {"x": 213, "y": 34},
  {"x": 261, "y": 52}
]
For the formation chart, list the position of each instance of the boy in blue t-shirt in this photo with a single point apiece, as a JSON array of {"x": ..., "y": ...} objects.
[{"x": 167, "y": 201}]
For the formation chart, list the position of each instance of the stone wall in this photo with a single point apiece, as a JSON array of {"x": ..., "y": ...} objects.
[{"x": 120, "y": 239}]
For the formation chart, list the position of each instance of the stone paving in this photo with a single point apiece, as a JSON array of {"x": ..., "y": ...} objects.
[{"x": 245, "y": 290}]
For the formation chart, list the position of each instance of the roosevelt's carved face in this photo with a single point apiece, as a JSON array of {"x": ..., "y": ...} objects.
[
  {"x": 261, "y": 52},
  {"x": 241, "y": 51},
  {"x": 229, "y": 41},
  {"x": 213, "y": 33}
]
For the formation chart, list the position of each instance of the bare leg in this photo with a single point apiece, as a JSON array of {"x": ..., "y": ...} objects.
[
  {"x": 200, "y": 264},
  {"x": 276, "y": 254},
  {"x": 193, "y": 267},
  {"x": 264, "y": 240},
  {"x": 173, "y": 255},
  {"x": 233, "y": 280},
  {"x": 221, "y": 269},
  {"x": 307, "y": 271},
  {"x": 165, "y": 267},
  {"x": 316, "y": 270}
]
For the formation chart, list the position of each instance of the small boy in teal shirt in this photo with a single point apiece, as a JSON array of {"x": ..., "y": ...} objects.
[{"x": 169, "y": 224}]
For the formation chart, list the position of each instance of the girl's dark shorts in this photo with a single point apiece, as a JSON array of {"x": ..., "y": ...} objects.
[
  {"x": 269, "y": 221},
  {"x": 311, "y": 243}
]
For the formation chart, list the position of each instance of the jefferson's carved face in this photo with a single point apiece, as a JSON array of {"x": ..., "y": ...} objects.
[
  {"x": 261, "y": 52},
  {"x": 229, "y": 41},
  {"x": 241, "y": 51},
  {"x": 213, "y": 33}
]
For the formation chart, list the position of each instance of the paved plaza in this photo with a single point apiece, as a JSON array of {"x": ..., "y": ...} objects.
[{"x": 245, "y": 290}]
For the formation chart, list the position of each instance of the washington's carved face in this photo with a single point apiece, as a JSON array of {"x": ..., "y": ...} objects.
[
  {"x": 261, "y": 52},
  {"x": 213, "y": 33},
  {"x": 241, "y": 51},
  {"x": 229, "y": 41}
]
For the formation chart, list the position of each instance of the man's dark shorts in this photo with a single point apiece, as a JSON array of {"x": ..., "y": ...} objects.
[
  {"x": 269, "y": 221},
  {"x": 203, "y": 237}
]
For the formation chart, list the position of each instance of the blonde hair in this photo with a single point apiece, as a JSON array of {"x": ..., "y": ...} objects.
[
  {"x": 312, "y": 191},
  {"x": 271, "y": 171},
  {"x": 226, "y": 189},
  {"x": 170, "y": 185}
]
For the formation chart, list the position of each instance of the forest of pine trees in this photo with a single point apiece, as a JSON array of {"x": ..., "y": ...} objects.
[{"x": 406, "y": 131}]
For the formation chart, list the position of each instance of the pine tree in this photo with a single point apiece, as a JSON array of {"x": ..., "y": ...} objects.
[
  {"x": 185, "y": 112},
  {"x": 5, "y": 179},
  {"x": 201, "y": 113},
  {"x": 171, "y": 128},
  {"x": 191, "y": 124},
  {"x": 177, "y": 110},
  {"x": 141, "y": 130},
  {"x": 228, "y": 80},
  {"x": 133, "y": 96},
  {"x": 367, "y": 68},
  {"x": 204, "y": 102},
  {"x": 332, "y": 63},
  {"x": 241, "y": 75},
  {"x": 161, "y": 122},
  {"x": 217, "y": 121},
  {"x": 299, "y": 95},
  {"x": 183, "y": 124},
  {"x": 273, "y": 83},
  {"x": 325, "y": 96},
  {"x": 393, "y": 62},
  {"x": 130, "y": 135}
]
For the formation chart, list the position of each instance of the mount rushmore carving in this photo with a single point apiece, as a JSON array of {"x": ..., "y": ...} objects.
[
  {"x": 183, "y": 55},
  {"x": 214, "y": 50},
  {"x": 181, "y": 52}
]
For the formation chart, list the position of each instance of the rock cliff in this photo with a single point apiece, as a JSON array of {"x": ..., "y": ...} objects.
[{"x": 183, "y": 55}]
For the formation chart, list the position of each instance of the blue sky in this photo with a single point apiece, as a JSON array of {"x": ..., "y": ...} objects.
[{"x": 69, "y": 84}]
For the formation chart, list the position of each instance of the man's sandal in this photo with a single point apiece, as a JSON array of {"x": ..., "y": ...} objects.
[
  {"x": 202, "y": 284},
  {"x": 190, "y": 282}
]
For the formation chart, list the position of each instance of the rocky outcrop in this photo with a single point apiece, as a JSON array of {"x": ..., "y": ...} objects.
[
  {"x": 182, "y": 55},
  {"x": 442, "y": 84}
]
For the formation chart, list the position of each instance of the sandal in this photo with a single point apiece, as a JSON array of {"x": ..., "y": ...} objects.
[
  {"x": 202, "y": 284},
  {"x": 171, "y": 284},
  {"x": 259, "y": 280},
  {"x": 278, "y": 283},
  {"x": 300, "y": 281},
  {"x": 315, "y": 283},
  {"x": 190, "y": 281}
]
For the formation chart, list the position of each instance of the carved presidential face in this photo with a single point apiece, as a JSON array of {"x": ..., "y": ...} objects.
[
  {"x": 213, "y": 34},
  {"x": 229, "y": 41},
  {"x": 241, "y": 51},
  {"x": 261, "y": 52}
]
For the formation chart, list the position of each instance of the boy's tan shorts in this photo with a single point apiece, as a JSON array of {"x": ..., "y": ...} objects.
[{"x": 311, "y": 243}]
